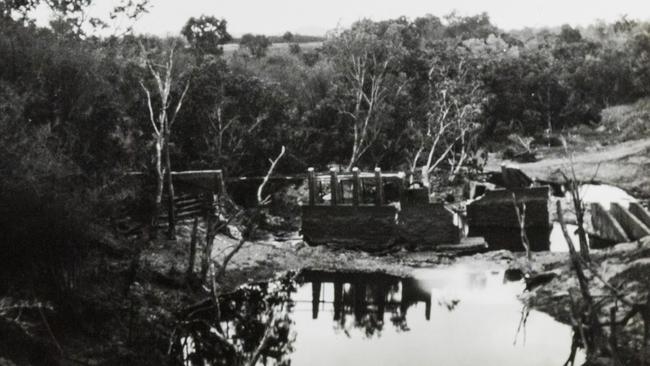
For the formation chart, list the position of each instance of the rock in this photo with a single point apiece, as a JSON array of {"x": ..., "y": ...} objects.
[{"x": 538, "y": 279}]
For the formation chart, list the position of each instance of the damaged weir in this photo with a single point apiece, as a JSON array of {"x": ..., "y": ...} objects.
[{"x": 375, "y": 212}]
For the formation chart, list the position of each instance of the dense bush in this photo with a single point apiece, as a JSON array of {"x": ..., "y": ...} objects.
[{"x": 74, "y": 117}]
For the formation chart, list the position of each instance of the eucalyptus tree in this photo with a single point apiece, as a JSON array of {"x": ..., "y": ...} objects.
[
  {"x": 366, "y": 60},
  {"x": 162, "y": 118},
  {"x": 446, "y": 128}
]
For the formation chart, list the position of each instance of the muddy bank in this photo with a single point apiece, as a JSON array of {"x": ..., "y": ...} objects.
[
  {"x": 263, "y": 259},
  {"x": 625, "y": 267}
]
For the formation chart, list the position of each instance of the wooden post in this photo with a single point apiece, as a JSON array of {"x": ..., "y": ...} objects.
[
  {"x": 193, "y": 238},
  {"x": 311, "y": 183},
  {"x": 400, "y": 184},
  {"x": 338, "y": 299},
  {"x": 220, "y": 188},
  {"x": 221, "y": 183},
  {"x": 210, "y": 223},
  {"x": 171, "y": 208},
  {"x": 315, "y": 298},
  {"x": 334, "y": 186},
  {"x": 356, "y": 186},
  {"x": 379, "y": 199}
]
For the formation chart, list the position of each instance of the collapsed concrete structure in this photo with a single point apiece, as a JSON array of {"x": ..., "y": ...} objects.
[
  {"x": 619, "y": 224},
  {"x": 494, "y": 217}
]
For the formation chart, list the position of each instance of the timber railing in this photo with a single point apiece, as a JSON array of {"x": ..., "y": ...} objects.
[
  {"x": 349, "y": 188},
  {"x": 197, "y": 192},
  {"x": 360, "y": 211},
  {"x": 200, "y": 191}
]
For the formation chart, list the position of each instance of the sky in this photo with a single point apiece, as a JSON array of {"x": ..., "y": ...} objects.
[{"x": 274, "y": 17}]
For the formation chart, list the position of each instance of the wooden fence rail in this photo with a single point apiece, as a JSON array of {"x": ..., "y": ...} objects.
[{"x": 336, "y": 181}]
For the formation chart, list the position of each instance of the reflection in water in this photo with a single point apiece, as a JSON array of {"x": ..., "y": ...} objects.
[
  {"x": 448, "y": 316},
  {"x": 603, "y": 194},
  {"x": 250, "y": 326},
  {"x": 363, "y": 300}
]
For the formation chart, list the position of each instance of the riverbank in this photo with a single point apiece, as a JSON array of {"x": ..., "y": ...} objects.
[
  {"x": 625, "y": 266},
  {"x": 130, "y": 302},
  {"x": 620, "y": 276}
]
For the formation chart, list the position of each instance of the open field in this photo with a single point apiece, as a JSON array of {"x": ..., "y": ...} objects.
[{"x": 274, "y": 49}]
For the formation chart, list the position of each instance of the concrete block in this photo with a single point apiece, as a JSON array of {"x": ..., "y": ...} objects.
[
  {"x": 496, "y": 208},
  {"x": 605, "y": 226},
  {"x": 634, "y": 228},
  {"x": 640, "y": 212}
]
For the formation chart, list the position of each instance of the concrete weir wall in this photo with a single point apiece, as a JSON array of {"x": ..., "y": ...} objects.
[
  {"x": 427, "y": 224},
  {"x": 640, "y": 212},
  {"x": 379, "y": 227},
  {"x": 367, "y": 227},
  {"x": 619, "y": 224},
  {"x": 605, "y": 226},
  {"x": 415, "y": 221},
  {"x": 496, "y": 208},
  {"x": 634, "y": 227},
  {"x": 493, "y": 217}
]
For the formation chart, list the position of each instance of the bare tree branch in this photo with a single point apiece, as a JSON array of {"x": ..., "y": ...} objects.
[
  {"x": 179, "y": 104},
  {"x": 151, "y": 114},
  {"x": 264, "y": 201}
]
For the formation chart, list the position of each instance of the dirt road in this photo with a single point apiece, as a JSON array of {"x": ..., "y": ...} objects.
[{"x": 626, "y": 165}]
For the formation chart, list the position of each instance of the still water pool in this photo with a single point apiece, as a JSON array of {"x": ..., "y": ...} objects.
[{"x": 452, "y": 316}]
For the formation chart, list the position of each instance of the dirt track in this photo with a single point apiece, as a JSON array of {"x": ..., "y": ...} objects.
[{"x": 626, "y": 165}]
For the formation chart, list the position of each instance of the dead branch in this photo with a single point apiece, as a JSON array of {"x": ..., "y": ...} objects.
[
  {"x": 179, "y": 104},
  {"x": 521, "y": 219},
  {"x": 266, "y": 200},
  {"x": 151, "y": 114},
  {"x": 575, "y": 261},
  {"x": 265, "y": 340}
]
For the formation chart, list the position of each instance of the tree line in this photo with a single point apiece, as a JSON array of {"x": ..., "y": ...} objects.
[
  {"x": 400, "y": 94},
  {"x": 427, "y": 96}
]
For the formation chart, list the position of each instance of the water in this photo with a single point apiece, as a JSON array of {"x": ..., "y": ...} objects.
[
  {"x": 451, "y": 316},
  {"x": 603, "y": 194},
  {"x": 458, "y": 315},
  {"x": 455, "y": 316}
]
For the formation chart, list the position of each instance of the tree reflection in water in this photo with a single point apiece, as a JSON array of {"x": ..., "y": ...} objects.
[
  {"x": 250, "y": 326},
  {"x": 362, "y": 300},
  {"x": 253, "y": 325}
]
